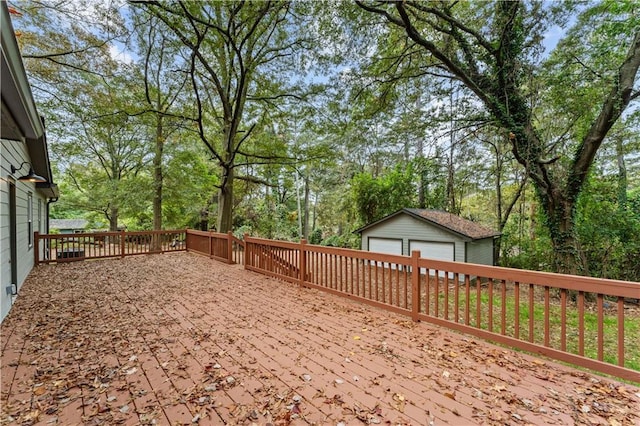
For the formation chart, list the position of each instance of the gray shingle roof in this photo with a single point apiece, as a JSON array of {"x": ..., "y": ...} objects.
[
  {"x": 455, "y": 223},
  {"x": 446, "y": 220},
  {"x": 68, "y": 223}
]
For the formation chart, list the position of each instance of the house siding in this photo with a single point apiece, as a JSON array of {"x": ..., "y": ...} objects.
[
  {"x": 480, "y": 251},
  {"x": 14, "y": 153},
  {"x": 411, "y": 229}
]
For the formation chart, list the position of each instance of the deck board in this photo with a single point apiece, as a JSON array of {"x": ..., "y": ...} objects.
[{"x": 178, "y": 338}]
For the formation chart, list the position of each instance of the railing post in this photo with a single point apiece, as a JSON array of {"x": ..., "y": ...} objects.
[
  {"x": 186, "y": 239},
  {"x": 230, "y": 247},
  {"x": 415, "y": 285},
  {"x": 36, "y": 248},
  {"x": 210, "y": 245},
  {"x": 122, "y": 235},
  {"x": 246, "y": 250},
  {"x": 303, "y": 262}
]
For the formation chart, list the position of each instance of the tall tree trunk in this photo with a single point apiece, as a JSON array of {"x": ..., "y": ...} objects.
[
  {"x": 225, "y": 200},
  {"x": 157, "y": 181},
  {"x": 451, "y": 189},
  {"x": 497, "y": 244},
  {"x": 113, "y": 219},
  {"x": 622, "y": 173},
  {"x": 315, "y": 216},
  {"x": 421, "y": 179},
  {"x": 560, "y": 220},
  {"x": 305, "y": 218}
]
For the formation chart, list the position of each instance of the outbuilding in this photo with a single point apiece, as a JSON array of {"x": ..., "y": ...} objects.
[
  {"x": 68, "y": 226},
  {"x": 436, "y": 234}
]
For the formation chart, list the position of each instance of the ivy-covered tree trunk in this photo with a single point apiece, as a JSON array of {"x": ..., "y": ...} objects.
[
  {"x": 156, "y": 242},
  {"x": 491, "y": 58},
  {"x": 560, "y": 222}
]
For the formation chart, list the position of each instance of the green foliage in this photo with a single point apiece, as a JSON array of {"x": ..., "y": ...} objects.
[
  {"x": 375, "y": 198},
  {"x": 316, "y": 236},
  {"x": 345, "y": 108},
  {"x": 267, "y": 219},
  {"x": 525, "y": 241},
  {"x": 348, "y": 240},
  {"x": 609, "y": 232}
]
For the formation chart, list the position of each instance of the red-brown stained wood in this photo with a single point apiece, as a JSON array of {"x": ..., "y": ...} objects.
[{"x": 163, "y": 334}]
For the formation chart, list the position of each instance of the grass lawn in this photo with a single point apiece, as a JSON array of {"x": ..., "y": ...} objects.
[{"x": 531, "y": 305}]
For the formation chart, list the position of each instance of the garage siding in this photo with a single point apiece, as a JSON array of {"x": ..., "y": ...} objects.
[
  {"x": 417, "y": 230},
  {"x": 480, "y": 251}
]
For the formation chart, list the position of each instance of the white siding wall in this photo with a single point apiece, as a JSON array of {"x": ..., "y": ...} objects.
[
  {"x": 14, "y": 153},
  {"x": 411, "y": 229}
]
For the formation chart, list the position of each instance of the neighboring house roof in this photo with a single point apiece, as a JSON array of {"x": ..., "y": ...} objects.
[
  {"x": 20, "y": 118},
  {"x": 444, "y": 220},
  {"x": 68, "y": 223}
]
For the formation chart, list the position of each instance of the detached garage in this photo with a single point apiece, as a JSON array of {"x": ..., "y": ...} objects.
[{"x": 436, "y": 234}]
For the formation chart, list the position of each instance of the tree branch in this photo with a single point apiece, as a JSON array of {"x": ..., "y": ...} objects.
[{"x": 616, "y": 102}]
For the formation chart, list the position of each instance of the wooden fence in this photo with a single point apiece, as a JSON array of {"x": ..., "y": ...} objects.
[
  {"x": 99, "y": 245},
  {"x": 580, "y": 320}
]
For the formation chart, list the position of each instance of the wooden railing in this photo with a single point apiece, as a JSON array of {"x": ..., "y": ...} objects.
[
  {"x": 223, "y": 247},
  {"x": 278, "y": 259},
  {"x": 575, "y": 319},
  {"x": 98, "y": 245}
]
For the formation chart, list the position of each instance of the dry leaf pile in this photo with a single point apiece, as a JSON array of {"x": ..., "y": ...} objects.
[{"x": 180, "y": 339}]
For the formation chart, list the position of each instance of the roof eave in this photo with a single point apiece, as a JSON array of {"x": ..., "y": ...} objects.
[
  {"x": 465, "y": 237},
  {"x": 16, "y": 92},
  {"x": 19, "y": 105}
]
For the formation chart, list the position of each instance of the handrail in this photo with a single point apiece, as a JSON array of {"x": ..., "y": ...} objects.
[
  {"x": 223, "y": 247},
  {"x": 51, "y": 248},
  {"x": 541, "y": 312}
]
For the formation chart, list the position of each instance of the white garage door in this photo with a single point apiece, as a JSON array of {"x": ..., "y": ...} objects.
[
  {"x": 433, "y": 250},
  {"x": 384, "y": 245}
]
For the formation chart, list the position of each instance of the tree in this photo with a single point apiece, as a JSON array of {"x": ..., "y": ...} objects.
[
  {"x": 236, "y": 51},
  {"x": 162, "y": 89},
  {"x": 375, "y": 198},
  {"x": 105, "y": 151},
  {"x": 490, "y": 48}
]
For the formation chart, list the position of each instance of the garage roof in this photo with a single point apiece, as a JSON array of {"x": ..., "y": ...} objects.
[
  {"x": 68, "y": 223},
  {"x": 445, "y": 220}
]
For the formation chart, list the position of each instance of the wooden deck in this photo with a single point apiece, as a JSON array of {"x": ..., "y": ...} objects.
[{"x": 181, "y": 339}]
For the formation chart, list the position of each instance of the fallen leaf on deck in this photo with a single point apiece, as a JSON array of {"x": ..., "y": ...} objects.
[{"x": 398, "y": 402}]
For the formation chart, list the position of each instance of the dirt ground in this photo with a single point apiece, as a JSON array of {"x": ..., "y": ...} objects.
[{"x": 181, "y": 339}]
